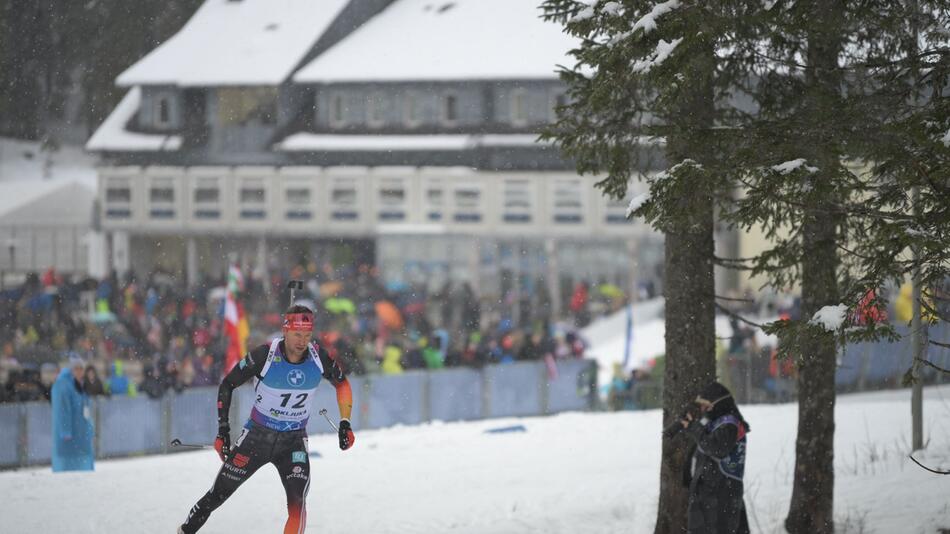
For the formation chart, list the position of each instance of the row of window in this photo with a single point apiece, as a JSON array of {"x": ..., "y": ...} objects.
[
  {"x": 238, "y": 105},
  {"x": 411, "y": 109},
  {"x": 516, "y": 203}
]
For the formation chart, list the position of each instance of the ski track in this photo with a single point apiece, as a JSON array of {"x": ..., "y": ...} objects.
[{"x": 570, "y": 473}]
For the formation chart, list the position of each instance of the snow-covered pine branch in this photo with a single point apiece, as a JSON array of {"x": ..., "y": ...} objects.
[
  {"x": 830, "y": 317},
  {"x": 663, "y": 51},
  {"x": 648, "y": 22},
  {"x": 637, "y": 202},
  {"x": 793, "y": 165}
]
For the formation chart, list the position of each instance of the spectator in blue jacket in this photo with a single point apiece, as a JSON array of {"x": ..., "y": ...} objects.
[{"x": 72, "y": 424}]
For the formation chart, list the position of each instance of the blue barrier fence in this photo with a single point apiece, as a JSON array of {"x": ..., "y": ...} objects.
[
  {"x": 137, "y": 426},
  {"x": 862, "y": 365}
]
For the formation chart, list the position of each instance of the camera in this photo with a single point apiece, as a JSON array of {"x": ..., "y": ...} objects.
[{"x": 693, "y": 409}]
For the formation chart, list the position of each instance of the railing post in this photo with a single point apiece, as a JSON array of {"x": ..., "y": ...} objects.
[
  {"x": 366, "y": 405},
  {"x": 427, "y": 396},
  {"x": 166, "y": 420},
  {"x": 486, "y": 393},
  {"x": 544, "y": 387},
  {"x": 23, "y": 445},
  {"x": 97, "y": 426},
  {"x": 592, "y": 384}
]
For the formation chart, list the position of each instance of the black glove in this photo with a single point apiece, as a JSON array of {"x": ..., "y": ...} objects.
[
  {"x": 222, "y": 443},
  {"x": 346, "y": 435},
  {"x": 690, "y": 414}
]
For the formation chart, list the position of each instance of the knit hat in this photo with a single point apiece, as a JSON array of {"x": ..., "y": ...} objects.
[
  {"x": 714, "y": 392},
  {"x": 722, "y": 400}
]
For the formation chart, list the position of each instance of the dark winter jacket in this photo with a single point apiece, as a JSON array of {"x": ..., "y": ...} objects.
[{"x": 715, "y": 468}]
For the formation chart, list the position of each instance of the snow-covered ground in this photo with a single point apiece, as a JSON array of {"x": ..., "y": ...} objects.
[{"x": 570, "y": 473}]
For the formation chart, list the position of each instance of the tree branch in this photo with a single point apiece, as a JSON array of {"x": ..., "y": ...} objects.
[
  {"x": 937, "y": 471},
  {"x": 939, "y": 344},
  {"x": 731, "y": 299},
  {"x": 731, "y": 313}
]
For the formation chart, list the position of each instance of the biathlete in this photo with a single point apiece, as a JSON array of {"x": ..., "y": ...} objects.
[{"x": 286, "y": 374}]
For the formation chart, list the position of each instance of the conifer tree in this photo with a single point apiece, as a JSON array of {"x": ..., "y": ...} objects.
[
  {"x": 649, "y": 70},
  {"x": 833, "y": 87}
]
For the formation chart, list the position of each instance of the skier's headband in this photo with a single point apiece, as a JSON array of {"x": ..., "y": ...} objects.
[{"x": 298, "y": 321}]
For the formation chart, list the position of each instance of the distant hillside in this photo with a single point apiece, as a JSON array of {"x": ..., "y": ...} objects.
[{"x": 59, "y": 60}]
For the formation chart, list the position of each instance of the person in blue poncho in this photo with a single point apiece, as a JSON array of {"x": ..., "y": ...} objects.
[{"x": 72, "y": 422}]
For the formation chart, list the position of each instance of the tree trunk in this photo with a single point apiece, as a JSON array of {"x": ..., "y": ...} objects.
[
  {"x": 812, "y": 506},
  {"x": 688, "y": 286},
  {"x": 690, "y": 348}
]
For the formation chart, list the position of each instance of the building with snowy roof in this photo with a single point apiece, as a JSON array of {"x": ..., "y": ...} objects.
[{"x": 403, "y": 131}]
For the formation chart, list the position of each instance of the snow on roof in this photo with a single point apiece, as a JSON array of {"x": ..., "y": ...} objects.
[
  {"x": 27, "y": 161},
  {"x": 244, "y": 42},
  {"x": 447, "y": 40},
  {"x": 54, "y": 202},
  {"x": 304, "y": 142},
  {"x": 112, "y": 134}
]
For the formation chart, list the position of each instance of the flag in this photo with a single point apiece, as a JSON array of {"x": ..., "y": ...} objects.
[{"x": 235, "y": 320}]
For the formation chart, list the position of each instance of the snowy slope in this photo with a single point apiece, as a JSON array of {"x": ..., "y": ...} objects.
[
  {"x": 571, "y": 473},
  {"x": 607, "y": 337}
]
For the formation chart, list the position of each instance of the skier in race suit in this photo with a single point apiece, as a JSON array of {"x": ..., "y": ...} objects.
[{"x": 286, "y": 373}]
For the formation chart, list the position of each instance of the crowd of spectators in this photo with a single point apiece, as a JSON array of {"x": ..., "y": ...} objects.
[{"x": 148, "y": 335}]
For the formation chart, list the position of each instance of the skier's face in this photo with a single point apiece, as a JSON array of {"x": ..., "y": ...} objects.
[{"x": 296, "y": 341}]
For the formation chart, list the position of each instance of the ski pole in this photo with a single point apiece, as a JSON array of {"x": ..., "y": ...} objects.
[
  {"x": 323, "y": 412},
  {"x": 177, "y": 443}
]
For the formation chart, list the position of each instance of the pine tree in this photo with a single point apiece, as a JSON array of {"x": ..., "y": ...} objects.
[
  {"x": 849, "y": 115},
  {"x": 655, "y": 71},
  {"x": 830, "y": 105},
  {"x": 46, "y": 45}
]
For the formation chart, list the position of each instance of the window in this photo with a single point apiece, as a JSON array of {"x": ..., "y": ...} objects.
[
  {"x": 450, "y": 113},
  {"x": 118, "y": 213},
  {"x": 238, "y": 106},
  {"x": 252, "y": 195},
  {"x": 161, "y": 194},
  {"x": 467, "y": 198},
  {"x": 344, "y": 196},
  {"x": 298, "y": 203},
  {"x": 433, "y": 203},
  {"x": 467, "y": 201},
  {"x": 517, "y": 201},
  {"x": 206, "y": 194},
  {"x": 337, "y": 110},
  {"x": 517, "y": 194},
  {"x": 559, "y": 101},
  {"x": 298, "y": 195},
  {"x": 411, "y": 109},
  {"x": 519, "y": 107},
  {"x": 568, "y": 203},
  {"x": 118, "y": 194},
  {"x": 163, "y": 111},
  {"x": 391, "y": 196},
  {"x": 375, "y": 107}
]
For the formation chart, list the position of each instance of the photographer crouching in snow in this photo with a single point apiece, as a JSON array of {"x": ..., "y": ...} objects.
[{"x": 716, "y": 462}]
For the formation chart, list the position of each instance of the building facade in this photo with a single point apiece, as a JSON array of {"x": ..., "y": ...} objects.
[{"x": 401, "y": 133}]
